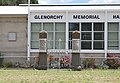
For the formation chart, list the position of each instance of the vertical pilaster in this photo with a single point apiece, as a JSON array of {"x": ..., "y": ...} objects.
[
  {"x": 105, "y": 34},
  {"x": 67, "y": 32},
  {"x": 29, "y": 33}
]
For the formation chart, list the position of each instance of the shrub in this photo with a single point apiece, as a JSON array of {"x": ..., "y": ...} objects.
[
  {"x": 7, "y": 64},
  {"x": 101, "y": 66},
  {"x": 89, "y": 63},
  {"x": 1, "y": 59},
  {"x": 112, "y": 61}
]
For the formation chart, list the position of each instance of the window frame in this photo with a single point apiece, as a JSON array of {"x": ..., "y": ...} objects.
[
  {"x": 92, "y": 40},
  {"x": 53, "y": 40},
  {"x": 112, "y": 46}
]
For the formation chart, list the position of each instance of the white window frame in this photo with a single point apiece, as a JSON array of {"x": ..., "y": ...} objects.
[
  {"x": 42, "y": 28},
  {"x": 114, "y": 40}
]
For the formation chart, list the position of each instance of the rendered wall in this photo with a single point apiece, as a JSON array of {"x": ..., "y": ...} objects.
[{"x": 18, "y": 25}]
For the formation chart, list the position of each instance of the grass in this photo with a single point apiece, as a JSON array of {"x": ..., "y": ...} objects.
[{"x": 59, "y": 76}]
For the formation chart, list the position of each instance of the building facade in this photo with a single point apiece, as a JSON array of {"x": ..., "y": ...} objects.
[{"x": 99, "y": 27}]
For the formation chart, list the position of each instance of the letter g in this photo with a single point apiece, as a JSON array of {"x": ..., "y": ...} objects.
[{"x": 36, "y": 17}]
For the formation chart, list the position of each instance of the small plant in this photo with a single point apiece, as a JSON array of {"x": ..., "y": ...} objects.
[
  {"x": 101, "y": 66},
  {"x": 89, "y": 63},
  {"x": 1, "y": 59},
  {"x": 7, "y": 64},
  {"x": 112, "y": 61},
  {"x": 1, "y": 55}
]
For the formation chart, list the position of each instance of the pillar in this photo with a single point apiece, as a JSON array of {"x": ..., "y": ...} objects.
[
  {"x": 42, "y": 63},
  {"x": 75, "y": 50}
]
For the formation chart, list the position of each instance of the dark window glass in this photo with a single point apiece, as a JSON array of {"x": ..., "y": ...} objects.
[
  {"x": 70, "y": 44},
  {"x": 86, "y": 35},
  {"x": 70, "y": 35},
  {"x": 98, "y": 36},
  {"x": 98, "y": 45},
  {"x": 98, "y": 26},
  {"x": 73, "y": 26},
  {"x": 86, "y": 26},
  {"x": 86, "y": 45}
]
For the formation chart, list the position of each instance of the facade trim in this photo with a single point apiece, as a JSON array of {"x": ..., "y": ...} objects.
[{"x": 105, "y": 33}]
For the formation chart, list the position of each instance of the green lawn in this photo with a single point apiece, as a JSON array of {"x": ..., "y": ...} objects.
[{"x": 59, "y": 76}]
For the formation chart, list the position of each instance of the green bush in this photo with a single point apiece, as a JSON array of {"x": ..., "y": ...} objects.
[{"x": 7, "y": 64}]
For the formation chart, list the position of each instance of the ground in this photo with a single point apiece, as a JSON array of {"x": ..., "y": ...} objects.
[{"x": 59, "y": 76}]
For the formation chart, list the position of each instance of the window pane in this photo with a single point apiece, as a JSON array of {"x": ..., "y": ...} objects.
[
  {"x": 86, "y": 26},
  {"x": 70, "y": 44},
  {"x": 98, "y": 45},
  {"x": 98, "y": 36},
  {"x": 113, "y": 26},
  {"x": 73, "y": 26},
  {"x": 86, "y": 35},
  {"x": 113, "y": 36},
  {"x": 113, "y": 45},
  {"x": 113, "y": 48},
  {"x": 48, "y": 26},
  {"x": 60, "y": 44},
  {"x": 86, "y": 45},
  {"x": 35, "y": 44},
  {"x": 98, "y": 27},
  {"x": 50, "y": 35},
  {"x": 70, "y": 35},
  {"x": 50, "y": 44},
  {"x": 35, "y": 27},
  {"x": 59, "y": 26},
  {"x": 34, "y": 36},
  {"x": 60, "y": 35},
  {"x": 63, "y": 45}
]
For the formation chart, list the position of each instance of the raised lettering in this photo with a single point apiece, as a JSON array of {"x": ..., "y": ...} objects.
[
  {"x": 116, "y": 17},
  {"x": 75, "y": 16},
  {"x": 48, "y": 17},
  {"x": 36, "y": 17},
  {"x": 86, "y": 17}
]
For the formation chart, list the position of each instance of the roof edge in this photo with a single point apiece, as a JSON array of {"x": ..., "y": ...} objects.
[{"x": 74, "y": 4}]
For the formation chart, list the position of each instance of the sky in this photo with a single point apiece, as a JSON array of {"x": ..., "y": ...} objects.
[{"x": 76, "y": 1}]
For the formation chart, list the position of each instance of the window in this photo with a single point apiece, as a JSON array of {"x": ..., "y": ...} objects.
[
  {"x": 86, "y": 35},
  {"x": 92, "y": 36},
  {"x": 56, "y": 35},
  {"x": 59, "y": 35},
  {"x": 113, "y": 36},
  {"x": 12, "y": 36},
  {"x": 72, "y": 27},
  {"x": 98, "y": 30},
  {"x": 35, "y": 29},
  {"x": 49, "y": 27}
]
